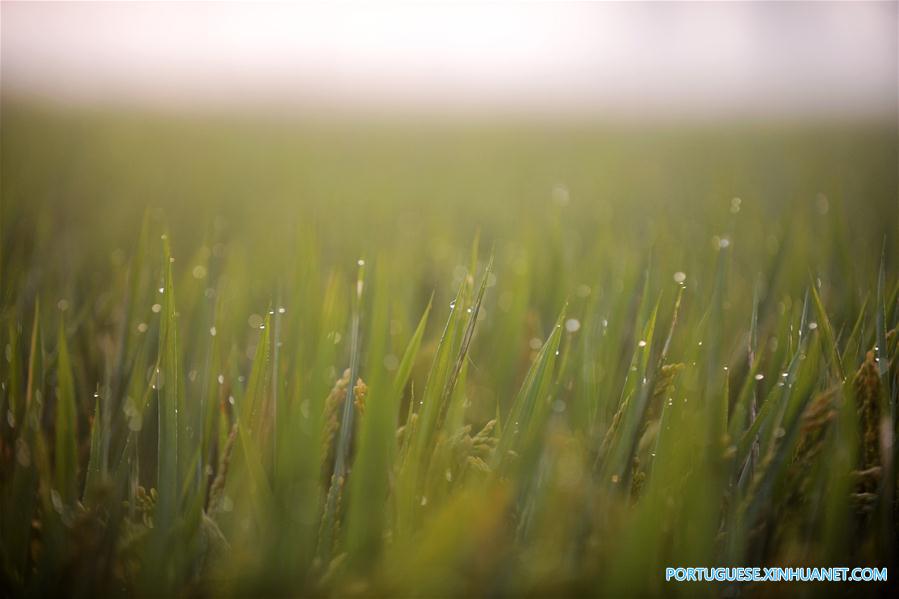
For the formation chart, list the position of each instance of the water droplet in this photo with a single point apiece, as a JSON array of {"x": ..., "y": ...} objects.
[
  {"x": 453, "y": 305},
  {"x": 557, "y": 352},
  {"x": 535, "y": 343},
  {"x": 142, "y": 327},
  {"x": 56, "y": 500},
  {"x": 424, "y": 501},
  {"x": 156, "y": 308},
  {"x": 117, "y": 257},
  {"x": 231, "y": 399},
  {"x": 282, "y": 310},
  {"x": 560, "y": 194},
  {"x": 735, "y": 205},
  {"x": 572, "y": 325},
  {"x": 680, "y": 277},
  {"x": 199, "y": 271},
  {"x": 221, "y": 379},
  {"x": 162, "y": 290},
  {"x": 642, "y": 343},
  {"x": 759, "y": 376},
  {"x": 812, "y": 326},
  {"x": 23, "y": 453},
  {"x": 469, "y": 310},
  {"x": 212, "y": 331},
  {"x": 360, "y": 262},
  {"x": 255, "y": 321}
]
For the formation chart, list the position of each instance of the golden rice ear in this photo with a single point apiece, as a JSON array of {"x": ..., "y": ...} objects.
[
  {"x": 360, "y": 390},
  {"x": 218, "y": 485},
  {"x": 867, "y": 397},
  {"x": 331, "y": 422}
]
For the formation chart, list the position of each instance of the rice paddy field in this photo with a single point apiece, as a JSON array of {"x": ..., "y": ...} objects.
[{"x": 267, "y": 356}]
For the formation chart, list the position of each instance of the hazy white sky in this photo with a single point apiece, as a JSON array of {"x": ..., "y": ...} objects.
[{"x": 726, "y": 58}]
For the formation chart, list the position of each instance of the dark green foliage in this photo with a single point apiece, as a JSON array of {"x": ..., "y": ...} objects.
[{"x": 642, "y": 372}]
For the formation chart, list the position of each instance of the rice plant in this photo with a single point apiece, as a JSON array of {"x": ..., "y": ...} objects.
[{"x": 242, "y": 359}]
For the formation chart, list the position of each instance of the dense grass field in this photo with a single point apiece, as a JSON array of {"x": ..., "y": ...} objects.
[{"x": 275, "y": 356}]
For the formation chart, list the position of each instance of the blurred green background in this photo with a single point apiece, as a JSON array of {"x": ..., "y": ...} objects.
[{"x": 604, "y": 220}]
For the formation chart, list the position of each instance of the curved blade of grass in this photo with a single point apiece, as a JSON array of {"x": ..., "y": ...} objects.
[
  {"x": 782, "y": 443},
  {"x": 613, "y": 463},
  {"x": 767, "y": 412},
  {"x": 338, "y": 478},
  {"x": 438, "y": 378},
  {"x": 254, "y": 409},
  {"x": 416, "y": 455},
  {"x": 830, "y": 344},
  {"x": 853, "y": 351},
  {"x": 462, "y": 356},
  {"x": 369, "y": 484},
  {"x": 527, "y": 416},
  {"x": 172, "y": 450},
  {"x": 404, "y": 370}
]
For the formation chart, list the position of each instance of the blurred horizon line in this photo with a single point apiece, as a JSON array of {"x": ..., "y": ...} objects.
[{"x": 301, "y": 113}]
